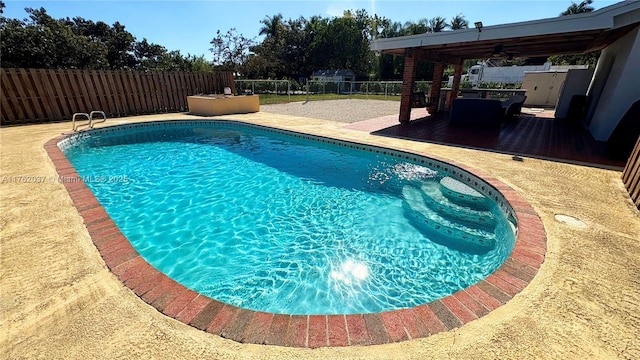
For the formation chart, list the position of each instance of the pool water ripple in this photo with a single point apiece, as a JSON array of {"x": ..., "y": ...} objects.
[{"x": 277, "y": 224}]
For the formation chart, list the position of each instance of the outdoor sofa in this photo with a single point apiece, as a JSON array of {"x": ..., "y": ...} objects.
[
  {"x": 484, "y": 112},
  {"x": 481, "y": 112}
]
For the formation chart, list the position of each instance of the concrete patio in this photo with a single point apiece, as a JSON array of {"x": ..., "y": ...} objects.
[{"x": 59, "y": 300}]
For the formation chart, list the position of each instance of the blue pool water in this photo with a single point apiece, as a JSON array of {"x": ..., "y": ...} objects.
[{"x": 274, "y": 223}]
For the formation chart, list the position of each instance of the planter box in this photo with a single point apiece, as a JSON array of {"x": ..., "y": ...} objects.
[{"x": 209, "y": 105}]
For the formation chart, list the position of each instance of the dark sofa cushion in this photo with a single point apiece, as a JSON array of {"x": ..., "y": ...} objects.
[{"x": 483, "y": 112}]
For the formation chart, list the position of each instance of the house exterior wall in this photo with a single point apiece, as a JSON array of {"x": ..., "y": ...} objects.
[{"x": 615, "y": 85}]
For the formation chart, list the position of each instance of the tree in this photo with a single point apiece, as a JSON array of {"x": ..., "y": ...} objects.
[
  {"x": 297, "y": 47},
  {"x": 199, "y": 63},
  {"x": 589, "y": 59},
  {"x": 582, "y": 7},
  {"x": 340, "y": 44},
  {"x": 230, "y": 50},
  {"x": 257, "y": 67},
  {"x": 294, "y": 57},
  {"x": 458, "y": 22},
  {"x": 41, "y": 41},
  {"x": 111, "y": 47},
  {"x": 420, "y": 27},
  {"x": 44, "y": 42},
  {"x": 120, "y": 47},
  {"x": 389, "y": 28},
  {"x": 365, "y": 23},
  {"x": 148, "y": 56},
  {"x": 438, "y": 24},
  {"x": 272, "y": 26}
]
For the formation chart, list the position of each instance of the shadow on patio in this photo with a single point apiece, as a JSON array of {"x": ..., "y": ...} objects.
[{"x": 531, "y": 134}]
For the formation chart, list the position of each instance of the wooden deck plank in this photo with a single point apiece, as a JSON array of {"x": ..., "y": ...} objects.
[{"x": 526, "y": 135}]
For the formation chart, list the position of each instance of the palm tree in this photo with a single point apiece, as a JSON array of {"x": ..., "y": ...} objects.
[
  {"x": 420, "y": 27},
  {"x": 459, "y": 22},
  {"x": 438, "y": 24},
  {"x": 390, "y": 29},
  {"x": 580, "y": 8},
  {"x": 272, "y": 26}
]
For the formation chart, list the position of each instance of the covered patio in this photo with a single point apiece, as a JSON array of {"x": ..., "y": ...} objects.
[{"x": 614, "y": 29}]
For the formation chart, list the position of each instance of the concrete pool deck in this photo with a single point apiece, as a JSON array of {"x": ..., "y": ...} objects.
[{"x": 60, "y": 301}]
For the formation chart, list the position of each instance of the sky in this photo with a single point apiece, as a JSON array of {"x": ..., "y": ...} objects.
[{"x": 189, "y": 25}]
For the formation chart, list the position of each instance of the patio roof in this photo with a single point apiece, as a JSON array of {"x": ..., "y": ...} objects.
[{"x": 560, "y": 35}]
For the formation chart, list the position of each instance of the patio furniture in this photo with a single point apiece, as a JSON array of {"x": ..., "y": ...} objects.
[
  {"x": 513, "y": 106},
  {"x": 483, "y": 112},
  {"x": 419, "y": 100},
  {"x": 469, "y": 94}
]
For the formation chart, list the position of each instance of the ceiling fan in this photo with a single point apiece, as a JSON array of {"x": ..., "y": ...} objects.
[{"x": 499, "y": 51}]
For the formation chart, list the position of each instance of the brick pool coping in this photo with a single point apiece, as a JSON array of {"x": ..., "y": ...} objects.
[{"x": 312, "y": 331}]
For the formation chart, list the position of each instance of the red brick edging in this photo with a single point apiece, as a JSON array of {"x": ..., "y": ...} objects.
[{"x": 247, "y": 326}]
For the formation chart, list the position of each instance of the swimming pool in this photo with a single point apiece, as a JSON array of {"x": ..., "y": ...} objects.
[{"x": 336, "y": 246}]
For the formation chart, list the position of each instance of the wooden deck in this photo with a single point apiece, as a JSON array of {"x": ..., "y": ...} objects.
[{"x": 530, "y": 135}]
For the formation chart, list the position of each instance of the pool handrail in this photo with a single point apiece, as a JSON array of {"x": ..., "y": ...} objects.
[
  {"x": 104, "y": 117},
  {"x": 73, "y": 120},
  {"x": 89, "y": 117}
]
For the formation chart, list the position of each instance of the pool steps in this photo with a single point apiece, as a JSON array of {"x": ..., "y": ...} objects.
[
  {"x": 460, "y": 192},
  {"x": 452, "y": 224},
  {"x": 436, "y": 200}
]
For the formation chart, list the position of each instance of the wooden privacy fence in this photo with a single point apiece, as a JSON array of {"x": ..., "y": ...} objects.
[
  {"x": 41, "y": 95},
  {"x": 631, "y": 174}
]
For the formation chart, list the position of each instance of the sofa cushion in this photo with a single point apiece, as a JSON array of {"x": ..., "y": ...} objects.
[{"x": 483, "y": 112}]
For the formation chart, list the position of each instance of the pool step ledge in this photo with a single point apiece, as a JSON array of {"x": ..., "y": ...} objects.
[
  {"x": 437, "y": 201},
  {"x": 454, "y": 234}
]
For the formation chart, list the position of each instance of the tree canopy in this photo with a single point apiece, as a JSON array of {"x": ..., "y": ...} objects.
[
  {"x": 294, "y": 48},
  {"x": 582, "y": 7},
  {"x": 283, "y": 48},
  {"x": 40, "y": 41}
]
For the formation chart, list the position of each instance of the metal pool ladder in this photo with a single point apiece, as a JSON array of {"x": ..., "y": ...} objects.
[{"x": 89, "y": 117}]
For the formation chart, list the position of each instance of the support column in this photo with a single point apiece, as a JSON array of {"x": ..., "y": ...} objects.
[
  {"x": 455, "y": 86},
  {"x": 408, "y": 81},
  {"x": 436, "y": 84}
]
